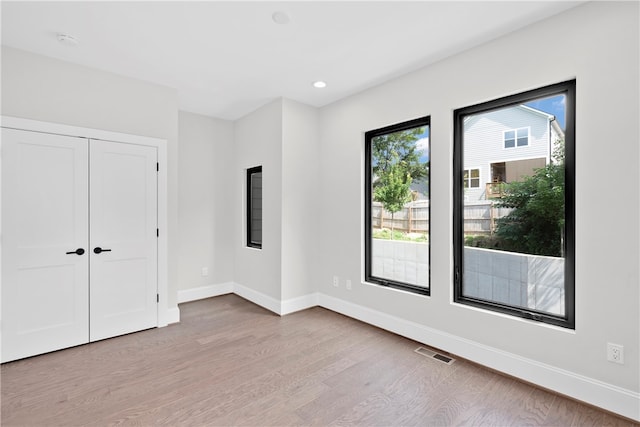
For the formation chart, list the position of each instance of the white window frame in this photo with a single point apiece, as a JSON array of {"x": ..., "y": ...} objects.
[
  {"x": 468, "y": 180},
  {"x": 515, "y": 140}
]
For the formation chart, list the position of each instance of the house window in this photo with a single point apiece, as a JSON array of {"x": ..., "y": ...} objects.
[
  {"x": 516, "y": 138},
  {"x": 471, "y": 178},
  {"x": 514, "y": 252},
  {"x": 397, "y": 206},
  {"x": 254, "y": 207}
]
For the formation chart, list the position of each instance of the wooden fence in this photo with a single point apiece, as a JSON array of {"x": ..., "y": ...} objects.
[{"x": 479, "y": 217}]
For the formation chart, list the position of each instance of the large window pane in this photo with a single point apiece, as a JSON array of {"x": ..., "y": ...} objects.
[
  {"x": 397, "y": 206},
  {"x": 514, "y": 231}
]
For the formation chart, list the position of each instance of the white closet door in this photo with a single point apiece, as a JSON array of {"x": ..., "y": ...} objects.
[
  {"x": 44, "y": 217},
  {"x": 123, "y": 246}
]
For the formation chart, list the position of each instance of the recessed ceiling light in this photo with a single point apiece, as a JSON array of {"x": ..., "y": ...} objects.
[
  {"x": 280, "y": 17},
  {"x": 319, "y": 84},
  {"x": 67, "y": 39}
]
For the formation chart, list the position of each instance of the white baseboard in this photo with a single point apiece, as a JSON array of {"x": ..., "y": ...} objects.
[
  {"x": 203, "y": 292},
  {"x": 607, "y": 396},
  {"x": 173, "y": 315},
  {"x": 300, "y": 303},
  {"x": 257, "y": 298},
  {"x": 279, "y": 307}
]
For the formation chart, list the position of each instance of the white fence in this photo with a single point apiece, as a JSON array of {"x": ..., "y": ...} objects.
[{"x": 479, "y": 217}]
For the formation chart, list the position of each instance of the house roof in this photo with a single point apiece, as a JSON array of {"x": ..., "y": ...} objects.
[
  {"x": 536, "y": 111},
  {"x": 550, "y": 117},
  {"x": 554, "y": 123}
]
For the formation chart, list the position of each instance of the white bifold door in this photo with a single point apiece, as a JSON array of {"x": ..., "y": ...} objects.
[
  {"x": 123, "y": 240},
  {"x": 79, "y": 248},
  {"x": 45, "y": 194}
]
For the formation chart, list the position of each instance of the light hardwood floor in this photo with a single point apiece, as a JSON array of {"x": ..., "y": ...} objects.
[{"x": 230, "y": 362}]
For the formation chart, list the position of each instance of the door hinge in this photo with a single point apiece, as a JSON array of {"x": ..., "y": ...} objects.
[
  {"x": 157, "y": 297},
  {"x": 157, "y": 166},
  {"x": 157, "y": 232}
]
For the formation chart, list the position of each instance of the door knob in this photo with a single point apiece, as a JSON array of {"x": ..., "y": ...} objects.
[
  {"x": 98, "y": 249},
  {"x": 78, "y": 251}
]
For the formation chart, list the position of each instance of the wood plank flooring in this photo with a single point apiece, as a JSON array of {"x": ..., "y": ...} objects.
[{"x": 230, "y": 362}]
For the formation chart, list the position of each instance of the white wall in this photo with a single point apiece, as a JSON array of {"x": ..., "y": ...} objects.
[
  {"x": 300, "y": 191},
  {"x": 283, "y": 137},
  {"x": 597, "y": 44},
  {"x": 258, "y": 141},
  {"x": 205, "y": 200},
  {"x": 40, "y": 88}
]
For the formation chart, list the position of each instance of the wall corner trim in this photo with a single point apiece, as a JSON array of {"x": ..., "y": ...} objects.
[
  {"x": 279, "y": 307},
  {"x": 300, "y": 303},
  {"x": 258, "y": 298},
  {"x": 173, "y": 315},
  {"x": 203, "y": 292}
]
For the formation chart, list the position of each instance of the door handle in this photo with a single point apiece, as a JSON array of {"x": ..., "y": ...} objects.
[
  {"x": 98, "y": 249},
  {"x": 78, "y": 251}
]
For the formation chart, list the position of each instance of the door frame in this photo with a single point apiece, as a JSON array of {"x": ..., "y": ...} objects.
[{"x": 160, "y": 144}]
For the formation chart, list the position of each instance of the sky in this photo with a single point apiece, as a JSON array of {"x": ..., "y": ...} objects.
[
  {"x": 423, "y": 144},
  {"x": 554, "y": 105}
]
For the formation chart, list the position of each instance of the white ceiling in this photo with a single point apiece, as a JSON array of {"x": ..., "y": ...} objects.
[{"x": 226, "y": 59}]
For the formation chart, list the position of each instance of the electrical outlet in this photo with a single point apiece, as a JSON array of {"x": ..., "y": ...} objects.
[
  {"x": 615, "y": 353},
  {"x": 205, "y": 271},
  {"x": 336, "y": 281},
  {"x": 348, "y": 284}
]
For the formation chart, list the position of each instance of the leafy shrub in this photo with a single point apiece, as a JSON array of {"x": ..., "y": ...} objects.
[
  {"x": 536, "y": 223},
  {"x": 399, "y": 235}
]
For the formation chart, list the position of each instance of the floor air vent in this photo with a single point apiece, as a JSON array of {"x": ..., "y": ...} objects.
[{"x": 433, "y": 355}]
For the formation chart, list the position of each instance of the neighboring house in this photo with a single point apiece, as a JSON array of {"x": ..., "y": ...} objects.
[{"x": 503, "y": 146}]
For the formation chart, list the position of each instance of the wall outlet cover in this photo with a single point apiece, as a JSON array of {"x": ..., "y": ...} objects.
[{"x": 615, "y": 353}]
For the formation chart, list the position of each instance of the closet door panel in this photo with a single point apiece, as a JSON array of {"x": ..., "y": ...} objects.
[
  {"x": 44, "y": 216},
  {"x": 123, "y": 206}
]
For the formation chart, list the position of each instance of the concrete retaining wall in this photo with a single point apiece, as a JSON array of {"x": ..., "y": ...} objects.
[
  {"x": 401, "y": 260},
  {"x": 528, "y": 281}
]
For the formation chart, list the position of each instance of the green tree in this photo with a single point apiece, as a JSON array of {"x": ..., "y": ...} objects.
[
  {"x": 398, "y": 148},
  {"x": 536, "y": 223},
  {"x": 393, "y": 190}
]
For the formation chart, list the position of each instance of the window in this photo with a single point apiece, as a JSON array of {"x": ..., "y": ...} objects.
[
  {"x": 471, "y": 178},
  {"x": 254, "y": 207},
  {"x": 397, "y": 206},
  {"x": 514, "y": 248},
  {"x": 516, "y": 137}
]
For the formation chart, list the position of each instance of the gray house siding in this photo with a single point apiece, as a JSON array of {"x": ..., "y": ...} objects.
[{"x": 484, "y": 143}]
